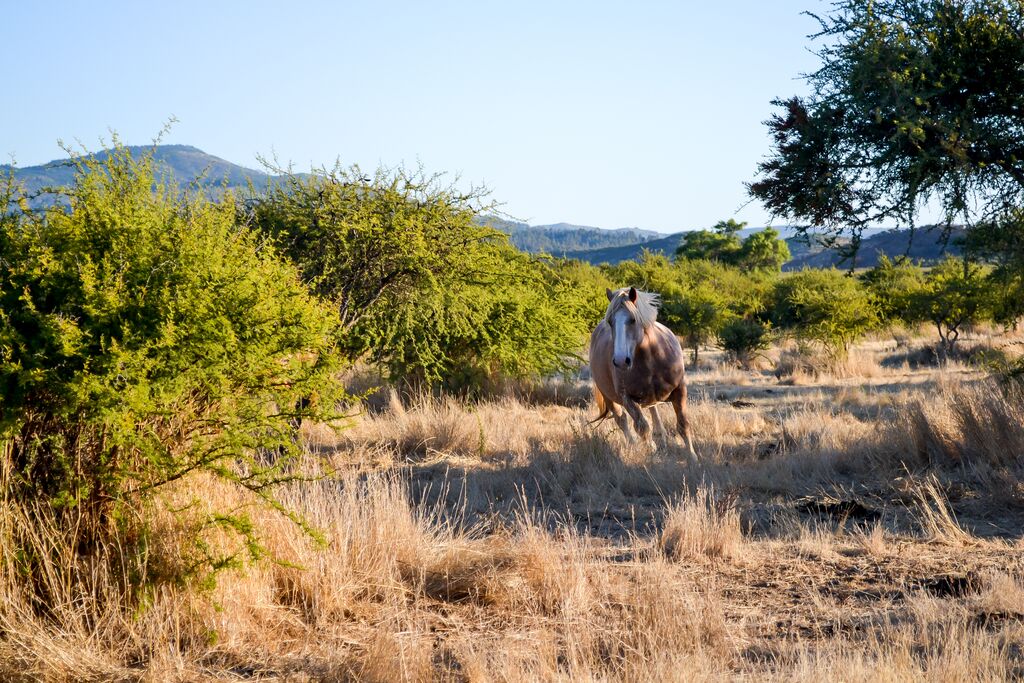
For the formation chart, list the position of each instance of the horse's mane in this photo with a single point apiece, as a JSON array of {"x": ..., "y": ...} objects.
[{"x": 646, "y": 306}]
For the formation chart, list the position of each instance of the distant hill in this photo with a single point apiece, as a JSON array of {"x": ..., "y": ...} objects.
[
  {"x": 560, "y": 239},
  {"x": 183, "y": 163},
  {"x": 926, "y": 246},
  {"x": 628, "y": 252}
]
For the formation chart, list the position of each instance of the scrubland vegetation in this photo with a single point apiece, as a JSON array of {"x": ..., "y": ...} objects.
[
  {"x": 222, "y": 460},
  {"x": 337, "y": 430}
]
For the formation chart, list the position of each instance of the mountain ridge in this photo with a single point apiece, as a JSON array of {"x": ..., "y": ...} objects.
[{"x": 188, "y": 164}]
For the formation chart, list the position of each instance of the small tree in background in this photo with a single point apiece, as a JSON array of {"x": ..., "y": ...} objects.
[
  {"x": 763, "y": 251},
  {"x": 760, "y": 251},
  {"x": 892, "y": 285},
  {"x": 823, "y": 306},
  {"x": 955, "y": 294},
  {"x": 696, "y": 313},
  {"x": 744, "y": 338},
  {"x": 721, "y": 244},
  {"x": 1001, "y": 243}
]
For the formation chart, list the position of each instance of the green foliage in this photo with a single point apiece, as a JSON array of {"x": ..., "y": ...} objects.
[
  {"x": 1001, "y": 242},
  {"x": 823, "y": 306},
  {"x": 421, "y": 288},
  {"x": 581, "y": 288},
  {"x": 914, "y": 100},
  {"x": 143, "y": 337},
  {"x": 721, "y": 243},
  {"x": 743, "y": 338},
  {"x": 762, "y": 251},
  {"x": 956, "y": 293},
  {"x": 892, "y": 286}
]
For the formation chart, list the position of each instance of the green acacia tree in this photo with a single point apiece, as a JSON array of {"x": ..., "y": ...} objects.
[
  {"x": 823, "y": 306},
  {"x": 696, "y": 312},
  {"x": 743, "y": 338},
  {"x": 760, "y": 251},
  {"x": 1001, "y": 243},
  {"x": 915, "y": 100},
  {"x": 764, "y": 251},
  {"x": 721, "y": 244},
  {"x": 145, "y": 337},
  {"x": 956, "y": 293},
  {"x": 422, "y": 289}
]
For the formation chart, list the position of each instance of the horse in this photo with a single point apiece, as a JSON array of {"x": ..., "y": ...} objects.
[{"x": 636, "y": 363}]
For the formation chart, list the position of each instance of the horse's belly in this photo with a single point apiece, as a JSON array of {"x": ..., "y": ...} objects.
[{"x": 647, "y": 393}]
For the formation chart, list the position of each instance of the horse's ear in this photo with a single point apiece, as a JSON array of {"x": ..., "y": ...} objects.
[
  {"x": 609, "y": 293},
  {"x": 632, "y": 295}
]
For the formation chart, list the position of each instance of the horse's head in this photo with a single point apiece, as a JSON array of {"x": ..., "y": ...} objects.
[{"x": 627, "y": 323}]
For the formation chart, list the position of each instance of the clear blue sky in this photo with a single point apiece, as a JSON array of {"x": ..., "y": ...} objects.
[{"x": 610, "y": 114}]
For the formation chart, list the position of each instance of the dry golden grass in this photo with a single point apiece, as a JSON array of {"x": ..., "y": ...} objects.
[{"x": 861, "y": 524}]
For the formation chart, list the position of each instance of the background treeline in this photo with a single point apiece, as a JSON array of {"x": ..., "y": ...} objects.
[
  {"x": 564, "y": 237},
  {"x": 743, "y": 309}
]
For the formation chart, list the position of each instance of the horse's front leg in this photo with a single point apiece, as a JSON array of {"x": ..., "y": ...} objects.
[
  {"x": 622, "y": 420},
  {"x": 659, "y": 426},
  {"x": 640, "y": 423}
]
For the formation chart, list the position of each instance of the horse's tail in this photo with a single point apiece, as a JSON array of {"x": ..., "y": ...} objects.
[{"x": 602, "y": 405}]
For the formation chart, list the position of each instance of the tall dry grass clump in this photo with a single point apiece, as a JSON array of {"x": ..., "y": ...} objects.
[
  {"x": 978, "y": 425},
  {"x": 701, "y": 526}
]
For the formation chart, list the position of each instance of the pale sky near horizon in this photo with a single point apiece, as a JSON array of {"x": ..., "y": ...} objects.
[{"x": 645, "y": 114}]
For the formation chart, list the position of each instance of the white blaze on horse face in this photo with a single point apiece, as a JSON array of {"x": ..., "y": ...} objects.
[{"x": 627, "y": 335}]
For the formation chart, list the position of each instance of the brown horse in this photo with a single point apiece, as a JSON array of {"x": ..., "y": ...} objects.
[{"x": 636, "y": 363}]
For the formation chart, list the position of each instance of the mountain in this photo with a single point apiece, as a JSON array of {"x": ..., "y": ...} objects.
[
  {"x": 182, "y": 163},
  {"x": 629, "y": 252},
  {"x": 185, "y": 164},
  {"x": 926, "y": 245},
  {"x": 560, "y": 239}
]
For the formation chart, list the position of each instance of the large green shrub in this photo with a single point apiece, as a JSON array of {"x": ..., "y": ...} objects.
[
  {"x": 744, "y": 338},
  {"x": 423, "y": 291},
  {"x": 823, "y": 306},
  {"x": 145, "y": 337}
]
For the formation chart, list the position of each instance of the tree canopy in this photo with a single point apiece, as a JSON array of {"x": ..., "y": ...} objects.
[
  {"x": 422, "y": 289},
  {"x": 915, "y": 100}
]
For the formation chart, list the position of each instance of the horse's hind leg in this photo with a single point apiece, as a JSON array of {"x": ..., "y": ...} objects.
[{"x": 678, "y": 399}]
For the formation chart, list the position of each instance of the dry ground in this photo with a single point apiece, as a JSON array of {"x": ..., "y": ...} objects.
[{"x": 859, "y": 521}]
